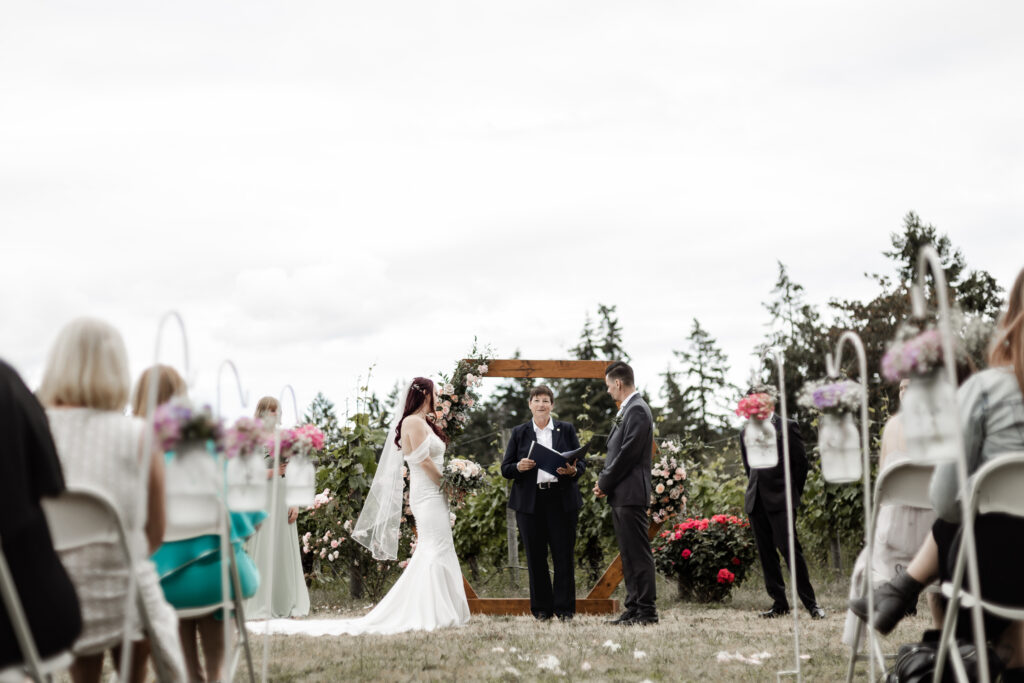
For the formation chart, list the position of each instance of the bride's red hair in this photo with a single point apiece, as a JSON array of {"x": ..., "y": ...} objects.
[{"x": 421, "y": 390}]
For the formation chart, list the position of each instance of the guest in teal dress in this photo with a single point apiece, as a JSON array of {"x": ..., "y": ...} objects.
[{"x": 190, "y": 569}]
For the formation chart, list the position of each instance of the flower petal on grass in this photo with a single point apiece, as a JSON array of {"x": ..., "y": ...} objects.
[
  {"x": 639, "y": 654},
  {"x": 585, "y": 666},
  {"x": 497, "y": 649},
  {"x": 613, "y": 646}
]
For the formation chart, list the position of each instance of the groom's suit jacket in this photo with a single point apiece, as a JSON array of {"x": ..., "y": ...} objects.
[
  {"x": 524, "y": 484},
  {"x": 626, "y": 477}
]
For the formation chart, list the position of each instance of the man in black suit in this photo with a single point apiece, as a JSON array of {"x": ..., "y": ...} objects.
[
  {"x": 626, "y": 481},
  {"x": 547, "y": 506},
  {"x": 765, "y": 505}
]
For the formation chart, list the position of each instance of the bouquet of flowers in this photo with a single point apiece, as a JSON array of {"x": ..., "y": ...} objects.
[
  {"x": 245, "y": 436},
  {"x": 461, "y": 477},
  {"x": 302, "y": 440},
  {"x": 759, "y": 405},
  {"x": 830, "y": 397},
  {"x": 667, "y": 477},
  {"x": 178, "y": 420},
  {"x": 707, "y": 557},
  {"x": 456, "y": 394},
  {"x": 913, "y": 352}
]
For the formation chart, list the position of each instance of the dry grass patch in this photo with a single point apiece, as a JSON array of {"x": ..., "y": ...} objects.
[{"x": 683, "y": 647}]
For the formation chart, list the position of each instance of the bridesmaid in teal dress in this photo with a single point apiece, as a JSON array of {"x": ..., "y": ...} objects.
[
  {"x": 277, "y": 542},
  {"x": 190, "y": 569}
]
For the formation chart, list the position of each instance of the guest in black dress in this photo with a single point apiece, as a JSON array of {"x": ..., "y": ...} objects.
[{"x": 29, "y": 470}]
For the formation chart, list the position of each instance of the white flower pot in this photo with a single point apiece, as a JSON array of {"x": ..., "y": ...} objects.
[
  {"x": 300, "y": 481},
  {"x": 247, "y": 483},
  {"x": 192, "y": 482},
  {"x": 760, "y": 442},
  {"x": 930, "y": 419},
  {"x": 839, "y": 447}
]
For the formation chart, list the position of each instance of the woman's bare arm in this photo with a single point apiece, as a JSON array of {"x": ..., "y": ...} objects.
[{"x": 156, "y": 517}]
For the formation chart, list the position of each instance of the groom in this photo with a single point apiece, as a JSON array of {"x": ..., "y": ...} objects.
[{"x": 626, "y": 481}]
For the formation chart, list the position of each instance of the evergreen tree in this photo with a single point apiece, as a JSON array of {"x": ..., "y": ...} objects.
[
  {"x": 674, "y": 418},
  {"x": 706, "y": 367},
  {"x": 322, "y": 414}
]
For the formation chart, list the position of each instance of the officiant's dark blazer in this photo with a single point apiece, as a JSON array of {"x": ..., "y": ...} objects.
[
  {"x": 524, "y": 484},
  {"x": 626, "y": 477},
  {"x": 769, "y": 484}
]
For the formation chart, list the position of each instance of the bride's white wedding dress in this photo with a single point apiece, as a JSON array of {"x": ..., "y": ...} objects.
[{"x": 429, "y": 594}]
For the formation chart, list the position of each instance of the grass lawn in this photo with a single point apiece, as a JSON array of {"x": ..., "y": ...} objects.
[{"x": 683, "y": 647}]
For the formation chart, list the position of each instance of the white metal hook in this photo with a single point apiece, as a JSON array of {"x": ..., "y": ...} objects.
[
  {"x": 243, "y": 396},
  {"x": 287, "y": 388}
]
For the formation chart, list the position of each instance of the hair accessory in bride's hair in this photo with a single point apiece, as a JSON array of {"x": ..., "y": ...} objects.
[{"x": 419, "y": 388}]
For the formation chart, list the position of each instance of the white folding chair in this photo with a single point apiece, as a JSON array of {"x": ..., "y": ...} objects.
[
  {"x": 901, "y": 483},
  {"x": 997, "y": 487},
  {"x": 218, "y": 525},
  {"x": 33, "y": 666},
  {"x": 84, "y": 516}
]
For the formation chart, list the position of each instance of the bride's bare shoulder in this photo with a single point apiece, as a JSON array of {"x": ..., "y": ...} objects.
[{"x": 414, "y": 424}]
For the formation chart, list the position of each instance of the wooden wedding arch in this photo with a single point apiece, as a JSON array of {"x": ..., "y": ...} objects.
[{"x": 599, "y": 600}]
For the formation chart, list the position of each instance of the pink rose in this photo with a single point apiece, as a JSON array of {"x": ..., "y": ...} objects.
[
  {"x": 334, "y": 544},
  {"x": 686, "y": 553}
]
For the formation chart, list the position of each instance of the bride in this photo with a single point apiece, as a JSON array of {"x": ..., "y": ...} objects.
[{"x": 429, "y": 594}]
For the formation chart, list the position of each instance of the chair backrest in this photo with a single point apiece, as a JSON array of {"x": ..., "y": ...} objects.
[
  {"x": 904, "y": 483},
  {"x": 999, "y": 485},
  {"x": 80, "y": 517}
]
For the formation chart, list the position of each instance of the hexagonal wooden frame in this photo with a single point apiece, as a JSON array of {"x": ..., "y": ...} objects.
[{"x": 599, "y": 600}]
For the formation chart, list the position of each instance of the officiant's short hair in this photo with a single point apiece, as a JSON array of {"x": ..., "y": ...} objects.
[
  {"x": 620, "y": 371},
  {"x": 542, "y": 390}
]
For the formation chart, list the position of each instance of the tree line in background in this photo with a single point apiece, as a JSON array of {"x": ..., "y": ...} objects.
[{"x": 696, "y": 400}]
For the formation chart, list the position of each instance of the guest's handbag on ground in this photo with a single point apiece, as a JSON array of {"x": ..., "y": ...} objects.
[{"x": 915, "y": 662}]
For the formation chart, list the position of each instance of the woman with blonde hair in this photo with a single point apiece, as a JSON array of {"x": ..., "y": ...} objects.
[
  {"x": 85, "y": 389},
  {"x": 276, "y": 544},
  {"x": 991, "y": 405}
]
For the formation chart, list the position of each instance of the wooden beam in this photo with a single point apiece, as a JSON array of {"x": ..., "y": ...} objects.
[
  {"x": 547, "y": 369},
  {"x": 513, "y": 606},
  {"x": 612, "y": 576},
  {"x": 470, "y": 593}
]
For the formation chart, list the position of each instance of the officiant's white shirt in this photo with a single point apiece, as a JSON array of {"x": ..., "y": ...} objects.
[{"x": 545, "y": 437}]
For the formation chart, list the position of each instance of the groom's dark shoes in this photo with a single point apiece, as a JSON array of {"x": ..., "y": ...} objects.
[
  {"x": 817, "y": 612},
  {"x": 775, "y": 611},
  {"x": 542, "y": 616},
  {"x": 640, "y": 620},
  {"x": 625, "y": 616}
]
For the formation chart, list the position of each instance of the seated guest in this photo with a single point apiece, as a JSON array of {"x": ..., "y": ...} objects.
[
  {"x": 991, "y": 407},
  {"x": 29, "y": 470},
  {"x": 85, "y": 389},
  {"x": 190, "y": 569},
  {"x": 899, "y": 530}
]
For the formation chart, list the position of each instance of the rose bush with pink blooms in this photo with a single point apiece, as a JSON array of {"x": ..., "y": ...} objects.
[{"x": 707, "y": 557}]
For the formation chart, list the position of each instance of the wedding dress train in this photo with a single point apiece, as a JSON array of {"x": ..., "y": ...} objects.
[{"x": 429, "y": 594}]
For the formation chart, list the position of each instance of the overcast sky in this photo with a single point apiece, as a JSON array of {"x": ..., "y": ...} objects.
[{"x": 322, "y": 186}]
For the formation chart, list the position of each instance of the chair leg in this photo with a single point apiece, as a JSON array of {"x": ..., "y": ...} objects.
[
  {"x": 948, "y": 635},
  {"x": 243, "y": 633},
  {"x": 853, "y": 651}
]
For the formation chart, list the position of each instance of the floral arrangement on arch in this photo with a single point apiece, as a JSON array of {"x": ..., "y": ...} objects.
[
  {"x": 914, "y": 352},
  {"x": 706, "y": 557},
  {"x": 667, "y": 477},
  {"x": 456, "y": 393},
  {"x": 179, "y": 420},
  {"x": 460, "y": 478},
  {"x": 831, "y": 397}
]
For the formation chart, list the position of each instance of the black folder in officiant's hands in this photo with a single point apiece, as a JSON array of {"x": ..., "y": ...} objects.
[{"x": 550, "y": 460}]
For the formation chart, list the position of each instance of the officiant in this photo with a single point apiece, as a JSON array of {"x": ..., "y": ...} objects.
[{"x": 547, "y": 506}]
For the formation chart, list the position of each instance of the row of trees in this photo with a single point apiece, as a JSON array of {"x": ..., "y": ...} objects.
[{"x": 694, "y": 401}]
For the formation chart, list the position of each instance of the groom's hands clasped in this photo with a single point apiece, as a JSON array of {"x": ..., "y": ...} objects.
[{"x": 598, "y": 492}]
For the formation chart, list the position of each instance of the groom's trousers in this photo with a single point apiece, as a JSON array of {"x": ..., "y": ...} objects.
[
  {"x": 771, "y": 537},
  {"x": 550, "y": 525},
  {"x": 631, "y": 525}
]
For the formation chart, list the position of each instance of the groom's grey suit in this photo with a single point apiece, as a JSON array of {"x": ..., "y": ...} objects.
[{"x": 626, "y": 479}]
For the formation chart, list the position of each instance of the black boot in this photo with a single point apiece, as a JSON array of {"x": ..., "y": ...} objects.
[{"x": 892, "y": 600}]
